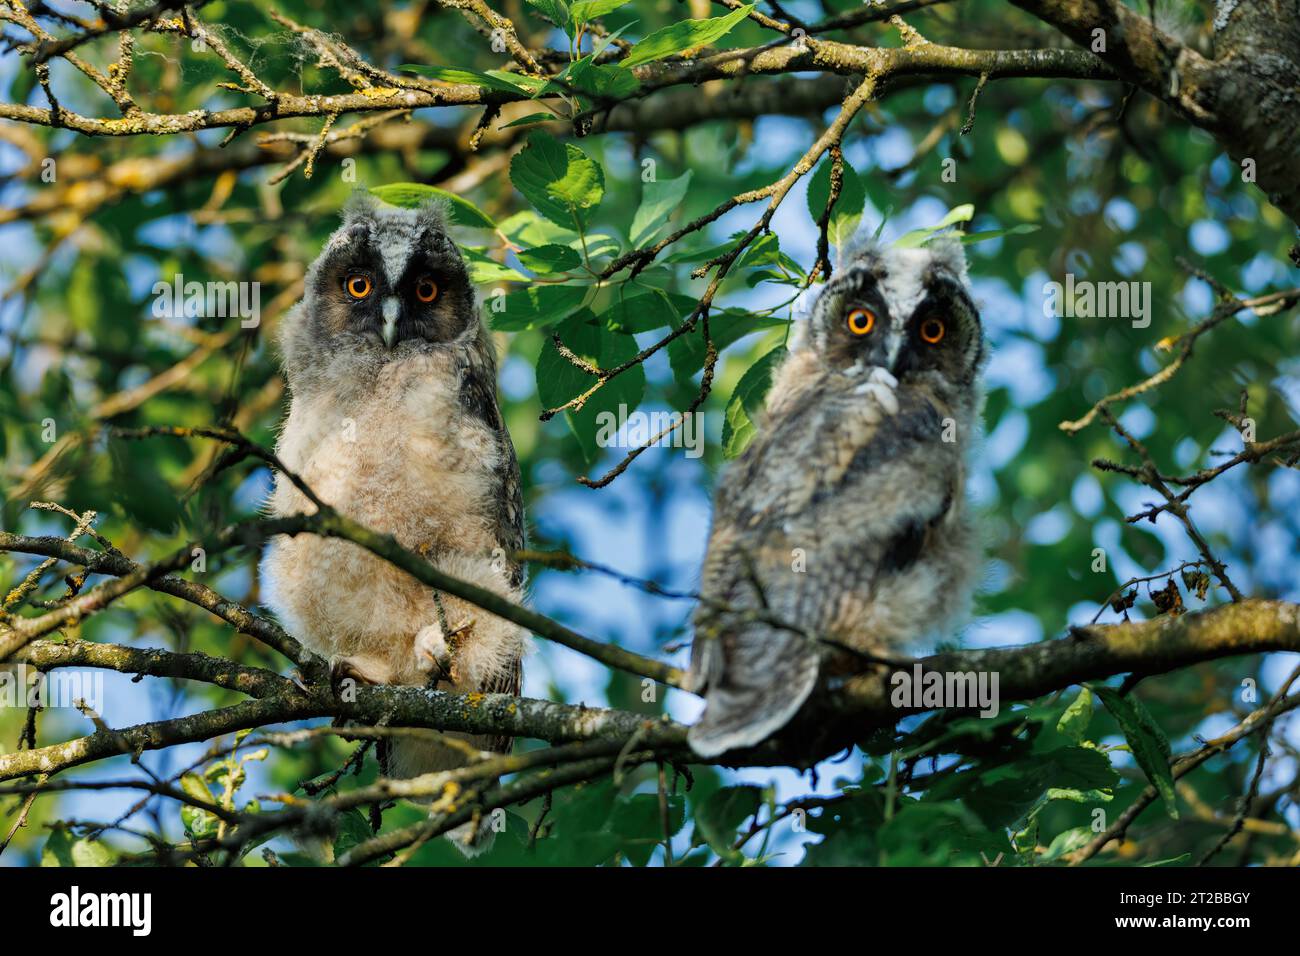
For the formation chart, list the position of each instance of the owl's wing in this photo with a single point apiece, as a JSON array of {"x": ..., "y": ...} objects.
[
  {"x": 478, "y": 396},
  {"x": 812, "y": 483}
]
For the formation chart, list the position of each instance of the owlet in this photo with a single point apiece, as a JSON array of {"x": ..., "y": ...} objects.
[
  {"x": 394, "y": 422},
  {"x": 844, "y": 526}
]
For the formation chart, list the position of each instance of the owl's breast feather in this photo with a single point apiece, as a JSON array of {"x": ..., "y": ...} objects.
[{"x": 403, "y": 458}]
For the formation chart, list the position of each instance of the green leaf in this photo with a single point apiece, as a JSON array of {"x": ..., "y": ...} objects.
[
  {"x": 483, "y": 268},
  {"x": 530, "y": 119},
  {"x": 496, "y": 80},
  {"x": 766, "y": 251},
  {"x": 198, "y": 822},
  {"x": 138, "y": 488},
  {"x": 850, "y": 828},
  {"x": 535, "y": 86},
  {"x": 606, "y": 80},
  {"x": 411, "y": 195},
  {"x": 644, "y": 313},
  {"x": 937, "y": 834},
  {"x": 1148, "y": 742},
  {"x": 1074, "y": 722},
  {"x": 658, "y": 200},
  {"x": 585, "y": 10},
  {"x": 848, "y": 206},
  {"x": 58, "y": 848},
  {"x": 719, "y": 816},
  {"x": 527, "y": 228},
  {"x": 226, "y": 775},
  {"x": 61, "y": 849},
  {"x": 1067, "y": 842},
  {"x": 687, "y": 352},
  {"x": 1149, "y": 724},
  {"x": 919, "y": 237},
  {"x": 1023, "y": 229},
  {"x": 639, "y": 815},
  {"x": 1081, "y": 768},
  {"x": 550, "y": 258},
  {"x": 637, "y": 818},
  {"x": 600, "y": 43},
  {"x": 559, "y": 380},
  {"x": 353, "y": 830},
  {"x": 535, "y": 307},
  {"x": 1089, "y": 797},
  {"x": 998, "y": 794},
  {"x": 558, "y": 179},
  {"x": 598, "y": 244},
  {"x": 683, "y": 36},
  {"x": 557, "y": 11},
  {"x": 746, "y": 402}
]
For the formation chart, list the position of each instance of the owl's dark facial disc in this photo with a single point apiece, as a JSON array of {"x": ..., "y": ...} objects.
[
  {"x": 390, "y": 283},
  {"x": 435, "y": 300},
  {"x": 943, "y": 334},
  {"x": 852, "y": 323},
  {"x": 902, "y": 311}
]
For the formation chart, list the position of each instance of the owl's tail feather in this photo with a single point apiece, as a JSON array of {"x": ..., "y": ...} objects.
[
  {"x": 470, "y": 841},
  {"x": 752, "y": 688}
]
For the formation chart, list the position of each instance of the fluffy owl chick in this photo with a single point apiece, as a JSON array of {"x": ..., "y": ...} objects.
[
  {"x": 393, "y": 421},
  {"x": 846, "y": 517}
]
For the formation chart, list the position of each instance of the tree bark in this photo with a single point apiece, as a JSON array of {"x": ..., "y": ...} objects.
[{"x": 1247, "y": 95}]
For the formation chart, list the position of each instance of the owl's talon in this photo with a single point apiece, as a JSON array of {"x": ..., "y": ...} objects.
[
  {"x": 880, "y": 385},
  {"x": 360, "y": 670},
  {"x": 883, "y": 376},
  {"x": 432, "y": 652}
]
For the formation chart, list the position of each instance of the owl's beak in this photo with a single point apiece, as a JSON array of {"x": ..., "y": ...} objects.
[
  {"x": 391, "y": 309},
  {"x": 894, "y": 354}
]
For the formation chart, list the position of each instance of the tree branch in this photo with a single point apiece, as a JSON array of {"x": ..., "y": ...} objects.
[
  {"x": 1025, "y": 673},
  {"x": 1245, "y": 96}
]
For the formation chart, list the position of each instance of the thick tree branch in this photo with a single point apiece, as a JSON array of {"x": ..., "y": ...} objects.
[
  {"x": 1149, "y": 647},
  {"x": 408, "y": 93},
  {"x": 398, "y": 706},
  {"x": 1246, "y": 96},
  {"x": 254, "y": 681},
  {"x": 1025, "y": 673}
]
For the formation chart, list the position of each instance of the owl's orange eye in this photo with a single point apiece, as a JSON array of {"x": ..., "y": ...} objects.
[
  {"x": 932, "y": 330},
  {"x": 358, "y": 286},
  {"x": 426, "y": 290},
  {"x": 861, "y": 321}
]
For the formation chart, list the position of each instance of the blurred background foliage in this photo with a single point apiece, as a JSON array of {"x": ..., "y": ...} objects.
[{"x": 1117, "y": 188}]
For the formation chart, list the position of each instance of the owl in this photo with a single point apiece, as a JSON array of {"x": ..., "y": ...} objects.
[
  {"x": 393, "y": 421},
  {"x": 843, "y": 529}
]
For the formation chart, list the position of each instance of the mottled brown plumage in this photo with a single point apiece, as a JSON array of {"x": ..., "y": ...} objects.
[{"x": 846, "y": 516}]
